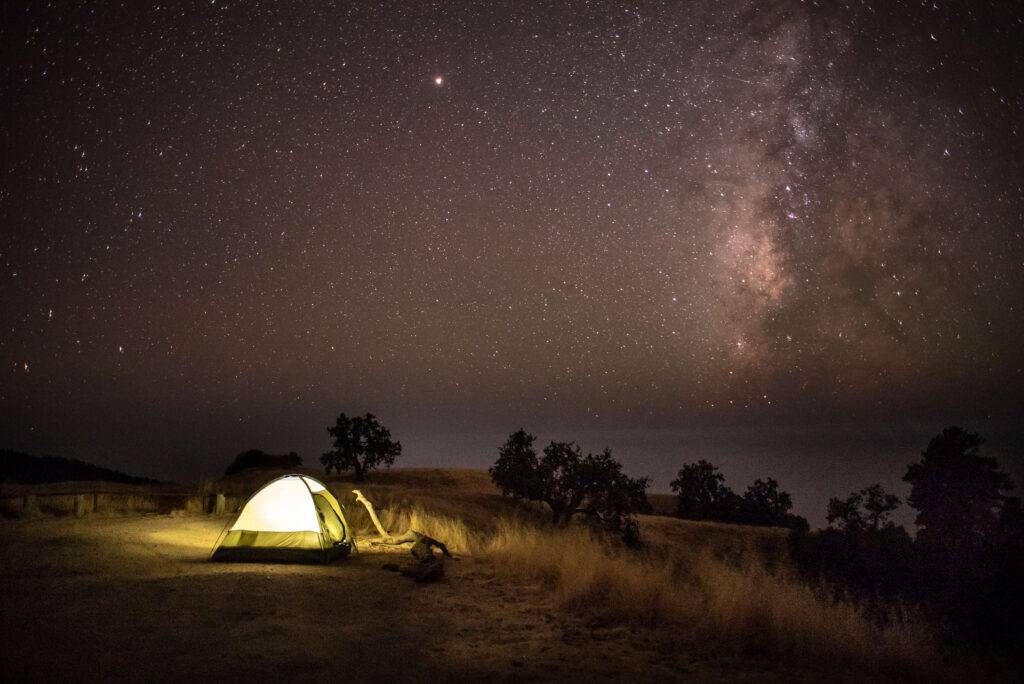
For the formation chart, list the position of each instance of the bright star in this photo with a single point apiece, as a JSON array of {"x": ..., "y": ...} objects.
[{"x": 438, "y": 80}]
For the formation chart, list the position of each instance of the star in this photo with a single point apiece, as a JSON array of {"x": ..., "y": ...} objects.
[{"x": 623, "y": 226}]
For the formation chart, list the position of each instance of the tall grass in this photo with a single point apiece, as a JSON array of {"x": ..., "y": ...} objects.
[
  {"x": 760, "y": 612},
  {"x": 77, "y": 505},
  {"x": 735, "y": 604},
  {"x": 452, "y": 531},
  {"x": 717, "y": 592},
  {"x": 725, "y": 589},
  {"x": 203, "y": 499}
]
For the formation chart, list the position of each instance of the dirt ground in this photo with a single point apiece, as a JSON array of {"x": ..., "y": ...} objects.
[{"x": 133, "y": 598}]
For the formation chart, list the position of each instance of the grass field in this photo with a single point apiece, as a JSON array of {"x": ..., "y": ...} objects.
[{"x": 700, "y": 601}]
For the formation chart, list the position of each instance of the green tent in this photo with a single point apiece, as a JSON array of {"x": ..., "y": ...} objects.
[{"x": 294, "y": 518}]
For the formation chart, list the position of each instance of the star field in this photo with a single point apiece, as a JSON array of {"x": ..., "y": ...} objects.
[{"x": 240, "y": 218}]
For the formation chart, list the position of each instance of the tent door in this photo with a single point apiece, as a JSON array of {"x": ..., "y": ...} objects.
[{"x": 333, "y": 526}]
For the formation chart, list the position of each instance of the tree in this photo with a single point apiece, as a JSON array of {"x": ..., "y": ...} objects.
[
  {"x": 765, "y": 503},
  {"x": 254, "y": 458},
  {"x": 867, "y": 509},
  {"x": 515, "y": 471},
  {"x": 360, "y": 443},
  {"x": 879, "y": 504},
  {"x": 592, "y": 486},
  {"x": 858, "y": 561},
  {"x": 959, "y": 495},
  {"x": 845, "y": 513},
  {"x": 702, "y": 492},
  {"x": 612, "y": 497},
  {"x": 560, "y": 480}
]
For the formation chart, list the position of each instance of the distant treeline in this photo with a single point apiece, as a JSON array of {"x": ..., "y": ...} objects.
[
  {"x": 20, "y": 468},
  {"x": 255, "y": 459},
  {"x": 702, "y": 495}
]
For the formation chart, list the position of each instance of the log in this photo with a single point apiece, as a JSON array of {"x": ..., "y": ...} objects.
[{"x": 422, "y": 544}]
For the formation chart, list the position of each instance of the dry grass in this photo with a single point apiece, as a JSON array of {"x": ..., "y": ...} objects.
[
  {"x": 78, "y": 505},
  {"x": 713, "y": 596},
  {"x": 110, "y": 498},
  {"x": 756, "y": 611},
  {"x": 720, "y": 588},
  {"x": 457, "y": 507},
  {"x": 586, "y": 575},
  {"x": 451, "y": 531}
]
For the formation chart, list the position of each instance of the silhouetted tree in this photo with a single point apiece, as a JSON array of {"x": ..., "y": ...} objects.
[
  {"x": 959, "y": 495},
  {"x": 765, "y": 503},
  {"x": 559, "y": 480},
  {"x": 845, "y": 513},
  {"x": 595, "y": 487},
  {"x": 254, "y": 458},
  {"x": 963, "y": 570},
  {"x": 971, "y": 553},
  {"x": 879, "y": 504},
  {"x": 360, "y": 444},
  {"x": 702, "y": 494},
  {"x": 870, "y": 507},
  {"x": 858, "y": 562},
  {"x": 592, "y": 486},
  {"x": 515, "y": 471}
]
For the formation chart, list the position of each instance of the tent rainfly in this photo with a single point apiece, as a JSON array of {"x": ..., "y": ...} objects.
[{"x": 291, "y": 519}]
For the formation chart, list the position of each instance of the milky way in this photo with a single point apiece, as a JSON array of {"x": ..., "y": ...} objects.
[{"x": 225, "y": 222}]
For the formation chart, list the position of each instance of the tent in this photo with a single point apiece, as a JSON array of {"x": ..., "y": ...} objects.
[{"x": 291, "y": 519}]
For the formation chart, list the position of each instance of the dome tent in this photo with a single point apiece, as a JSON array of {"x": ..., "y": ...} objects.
[{"x": 294, "y": 518}]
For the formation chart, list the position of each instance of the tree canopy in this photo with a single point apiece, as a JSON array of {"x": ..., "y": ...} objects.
[
  {"x": 959, "y": 495},
  {"x": 702, "y": 494},
  {"x": 867, "y": 509},
  {"x": 515, "y": 471},
  {"x": 361, "y": 443},
  {"x": 592, "y": 486},
  {"x": 766, "y": 504}
]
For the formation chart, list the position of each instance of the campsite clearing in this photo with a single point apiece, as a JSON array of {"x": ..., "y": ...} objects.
[{"x": 133, "y": 598}]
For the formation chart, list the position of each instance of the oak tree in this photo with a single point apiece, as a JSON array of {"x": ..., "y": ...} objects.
[{"x": 360, "y": 444}]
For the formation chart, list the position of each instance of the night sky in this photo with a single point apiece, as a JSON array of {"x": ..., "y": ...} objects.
[{"x": 657, "y": 226}]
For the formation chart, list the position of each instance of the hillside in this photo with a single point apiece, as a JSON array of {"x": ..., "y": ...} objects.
[
  {"x": 522, "y": 601},
  {"x": 16, "y": 467}
]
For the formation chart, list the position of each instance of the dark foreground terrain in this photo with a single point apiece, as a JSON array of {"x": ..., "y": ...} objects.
[{"x": 132, "y": 598}]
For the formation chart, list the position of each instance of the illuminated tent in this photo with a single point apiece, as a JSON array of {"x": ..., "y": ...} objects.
[{"x": 293, "y": 518}]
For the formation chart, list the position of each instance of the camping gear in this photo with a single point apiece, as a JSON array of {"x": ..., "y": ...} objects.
[{"x": 291, "y": 519}]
